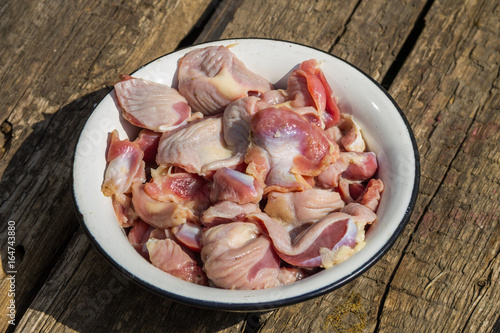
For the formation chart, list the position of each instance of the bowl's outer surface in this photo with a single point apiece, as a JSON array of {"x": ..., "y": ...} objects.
[{"x": 385, "y": 129}]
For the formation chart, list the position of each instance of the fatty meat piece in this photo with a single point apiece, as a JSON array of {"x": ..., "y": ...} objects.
[
  {"x": 227, "y": 211},
  {"x": 122, "y": 205},
  {"x": 151, "y": 105},
  {"x": 236, "y": 122},
  {"x": 305, "y": 89},
  {"x": 352, "y": 139},
  {"x": 335, "y": 230},
  {"x": 169, "y": 256},
  {"x": 331, "y": 116},
  {"x": 148, "y": 142},
  {"x": 124, "y": 165},
  {"x": 212, "y": 77},
  {"x": 189, "y": 235},
  {"x": 371, "y": 196},
  {"x": 198, "y": 147},
  {"x": 362, "y": 216},
  {"x": 232, "y": 185},
  {"x": 294, "y": 209},
  {"x": 189, "y": 189},
  {"x": 238, "y": 256},
  {"x": 159, "y": 214},
  {"x": 287, "y": 148},
  {"x": 352, "y": 166}
]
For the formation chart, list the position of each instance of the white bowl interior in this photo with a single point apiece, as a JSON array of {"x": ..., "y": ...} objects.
[{"x": 383, "y": 127}]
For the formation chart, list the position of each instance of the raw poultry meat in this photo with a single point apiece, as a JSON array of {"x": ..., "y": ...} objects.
[
  {"x": 197, "y": 148},
  {"x": 333, "y": 231},
  {"x": 290, "y": 148},
  {"x": 168, "y": 256},
  {"x": 159, "y": 214},
  {"x": 227, "y": 211},
  {"x": 151, "y": 105},
  {"x": 125, "y": 163},
  {"x": 294, "y": 209},
  {"x": 210, "y": 78},
  {"x": 234, "y": 184},
  {"x": 239, "y": 256},
  {"x": 189, "y": 189}
]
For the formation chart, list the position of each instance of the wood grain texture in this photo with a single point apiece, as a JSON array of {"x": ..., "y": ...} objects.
[
  {"x": 448, "y": 277},
  {"x": 60, "y": 58}
]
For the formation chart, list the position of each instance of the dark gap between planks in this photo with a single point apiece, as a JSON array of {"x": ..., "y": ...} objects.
[
  {"x": 197, "y": 29},
  {"x": 386, "y": 83},
  {"x": 407, "y": 47}
]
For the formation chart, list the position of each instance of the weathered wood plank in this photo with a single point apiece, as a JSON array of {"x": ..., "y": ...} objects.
[
  {"x": 447, "y": 280},
  {"x": 59, "y": 58}
]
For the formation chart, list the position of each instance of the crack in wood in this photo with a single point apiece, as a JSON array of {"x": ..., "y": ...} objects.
[
  {"x": 407, "y": 47},
  {"x": 344, "y": 27},
  {"x": 418, "y": 223}
]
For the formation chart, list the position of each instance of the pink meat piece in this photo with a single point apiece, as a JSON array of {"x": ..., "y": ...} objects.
[
  {"x": 272, "y": 97},
  {"x": 333, "y": 231},
  {"x": 330, "y": 177},
  {"x": 169, "y": 256},
  {"x": 361, "y": 166},
  {"x": 238, "y": 256},
  {"x": 232, "y": 185},
  {"x": 212, "y": 77},
  {"x": 344, "y": 189},
  {"x": 352, "y": 139},
  {"x": 286, "y": 148},
  {"x": 160, "y": 214},
  {"x": 305, "y": 89},
  {"x": 331, "y": 116},
  {"x": 364, "y": 215},
  {"x": 151, "y": 105},
  {"x": 294, "y": 209},
  {"x": 124, "y": 165},
  {"x": 189, "y": 189},
  {"x": 236, "y": 122},
  {"x": 371, "y": 195},
  {"x": 361, "y": 216},
  {"x": 122, "y": 205},
  {"x": 138, "y": 236},
  {"x": 189, "y": 235},
  {"x": 148, "y": 141},
  {"x": 349, "y": 165},
  {"x": 227, "y": 211},
  {"x": 197, "y": 148},
  {"x": 333, "y": 133}
]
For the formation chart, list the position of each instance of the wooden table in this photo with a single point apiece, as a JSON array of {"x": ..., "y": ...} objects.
[{"x": 439, "y": 59}]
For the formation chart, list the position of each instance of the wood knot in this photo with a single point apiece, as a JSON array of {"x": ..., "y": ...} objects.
[
  {"x": 482, "y": 283},
  {"x": 6, "y": 128}
]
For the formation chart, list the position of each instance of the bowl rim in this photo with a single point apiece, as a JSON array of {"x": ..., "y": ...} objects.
[{"x": 273, "y": 304}]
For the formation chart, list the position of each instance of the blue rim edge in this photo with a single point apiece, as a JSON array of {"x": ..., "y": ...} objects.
[{"x": 267, "y": 306}]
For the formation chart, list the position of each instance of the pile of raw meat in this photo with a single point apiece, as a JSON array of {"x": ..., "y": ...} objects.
[{"x": 234, "y": 184}]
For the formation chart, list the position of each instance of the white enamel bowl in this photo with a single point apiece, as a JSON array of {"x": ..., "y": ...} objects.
[{"x": 385, "y": 129}]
